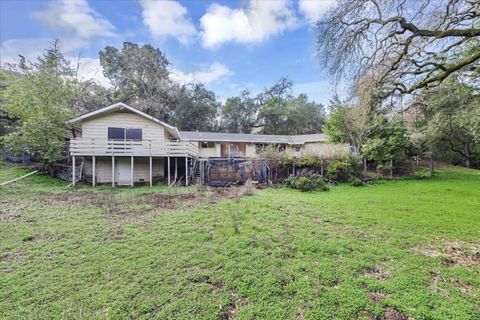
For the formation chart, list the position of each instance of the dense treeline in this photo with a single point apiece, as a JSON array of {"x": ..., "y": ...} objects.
[
  {"x": 414, "y": 66},
  {"x": 441, "y": 121},
  {"x": 140, "y": 77}
]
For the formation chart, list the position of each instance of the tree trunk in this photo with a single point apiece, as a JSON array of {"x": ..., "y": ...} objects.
[{"x": 467, "y": 152}]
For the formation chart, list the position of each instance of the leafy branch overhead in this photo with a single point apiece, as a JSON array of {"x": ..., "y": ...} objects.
[{"x": 406, "y": 45}]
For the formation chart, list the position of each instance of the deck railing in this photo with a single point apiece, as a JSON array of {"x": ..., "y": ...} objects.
[{"x": 103, "y": 147}]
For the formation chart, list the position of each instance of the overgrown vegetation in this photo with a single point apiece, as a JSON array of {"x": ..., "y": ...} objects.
[
  {"x": 403, "y": 248},
  {"x": 41, "y": 96},
  {"x": 304, "y": 183}
]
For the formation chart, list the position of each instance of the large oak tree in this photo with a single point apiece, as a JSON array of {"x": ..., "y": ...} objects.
[{"x": 406, "y": 45}]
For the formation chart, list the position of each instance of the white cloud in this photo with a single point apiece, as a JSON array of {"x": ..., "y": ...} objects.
[
  {"x": 74, "y": 16},
  {"x": 211, "y": 73},
  {"x": 314, "y": 9},
  {"x": 31, "y": 48},
  {"x": 167, "y": 19},
  {"x": 257, "y": 22},
  {"x": 90, "y": 68},
  {"x": 321, "y": 91}
]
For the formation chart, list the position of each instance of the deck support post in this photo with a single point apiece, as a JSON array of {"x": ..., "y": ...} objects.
[
  {"x": 168, "y": 171},
  {"x": 131, "y": 171},
  {"x": 73, "y": 171},
  {"x": 113, "y": 171},
  {"x": 176, "y": 168},
  {"x": 186, "y": 171},
  {"x": 430, "y": 166},
  {"x": 321, "y": 167},
  {"x": 93, "y": 172},
  {"x": 150, "y": 172}
]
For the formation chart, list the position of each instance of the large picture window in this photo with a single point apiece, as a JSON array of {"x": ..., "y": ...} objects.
[
  {"x": 124, "y": 133},
  {"x": 116, "y": 133},
  {"x": 134, "y": 134}
]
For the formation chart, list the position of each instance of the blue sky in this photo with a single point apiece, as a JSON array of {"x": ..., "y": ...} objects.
[{"x": 227, "y": 45}]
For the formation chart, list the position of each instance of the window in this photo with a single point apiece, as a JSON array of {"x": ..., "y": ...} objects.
[
  {"x": 116, "y": 133},
  {"x": 124, "y": 133},
  {"x": 134, "y": 134},
  {"x": 208, "y": 144},
  {"x": 232, "y": 149}
]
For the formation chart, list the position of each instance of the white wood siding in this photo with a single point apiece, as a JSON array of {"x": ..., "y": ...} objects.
[
  {"x": 250, "y": 150},
  {"x": 155, "y": 138},
  {"x": 96, "y": 128},
  {"x": 324, "y": 150},
  {"x": 209, "y": 152}
]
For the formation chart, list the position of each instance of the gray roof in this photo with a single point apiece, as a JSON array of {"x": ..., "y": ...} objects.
[{"x": 251, "y": 138}]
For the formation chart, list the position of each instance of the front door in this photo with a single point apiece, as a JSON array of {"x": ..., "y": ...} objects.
[{"x": 123, "y": 171}]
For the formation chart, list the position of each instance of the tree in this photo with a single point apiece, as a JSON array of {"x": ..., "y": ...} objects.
[
  {"x": 273, "y": 116},
  {"x": 452, "y": 111},
  {"x": 305, "y": 117},
  {"x": 282, "y": 113},
  {"x": 238, "y": 114},
  {"x": 345, "y": 123},
  {"x": 387, "y": 141},
  {"x": 91, "y": 96},
  {"x": 196, "y": 109},
  {"x": 406, "y": 45},
  {"x": 140, "y": 77},
  {"x": 273, "y": 109},
  {"x": 41, "y": 96}
]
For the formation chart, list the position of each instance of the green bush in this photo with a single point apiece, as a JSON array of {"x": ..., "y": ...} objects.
[
  {"x": 422, "y": 173},
  {"x": 339, "y": 170},
  {"x": 314, "y": 182},
  {"x": 304, "y": 184},
  {"x": 356, "y": 182},
  {"x": 309, "y": 161}
]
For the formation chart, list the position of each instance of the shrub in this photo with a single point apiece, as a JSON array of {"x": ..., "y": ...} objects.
[
  {"x": 290, "y": 181},
  {"x": 421, "y": 173},
  {"x": 314, "y": 182},
  {"x": 309, "y": 161},
  {"x": 304, "y": 184},
  {"x": 356, "y": 182},
  {"x": 339, "y": 170}
]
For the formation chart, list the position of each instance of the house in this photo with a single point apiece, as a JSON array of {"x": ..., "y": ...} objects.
[{"x": 121, "y": 145}]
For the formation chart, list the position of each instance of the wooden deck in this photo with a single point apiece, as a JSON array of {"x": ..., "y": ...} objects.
[{"x": 144, "y": 148}]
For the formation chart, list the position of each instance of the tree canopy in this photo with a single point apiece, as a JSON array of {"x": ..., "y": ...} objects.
[
  {"x": 405, "y": 45},
  {"x": 196, "y": 109},
  {"x": 41, "y": 95},
  {"x": 139, "y": 76}
]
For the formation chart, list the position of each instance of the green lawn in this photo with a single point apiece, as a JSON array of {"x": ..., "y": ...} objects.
[{"x": 385, "y": 251}]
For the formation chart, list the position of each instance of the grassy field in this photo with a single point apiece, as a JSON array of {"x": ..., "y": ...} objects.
[{"x": 393, "y": 250}]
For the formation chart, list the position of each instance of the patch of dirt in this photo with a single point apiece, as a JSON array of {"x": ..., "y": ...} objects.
[
  {"x": 12, "y": 211},
  {"x": 299, "y": 315},
  {"x": 393, "y": 314},
  {"x": 126, "y": 206},
  {"x": 376, "y": 272},
  {"x": 368, "y": 314},
  {"x": 438, "y": 280},
  {"x": 452, "y": 252},
  {"x": 13, "y": 256},
  {"x": 376, "y": 296}
]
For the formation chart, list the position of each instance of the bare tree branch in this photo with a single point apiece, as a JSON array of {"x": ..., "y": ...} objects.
[{"x": 408, "y": 45}]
